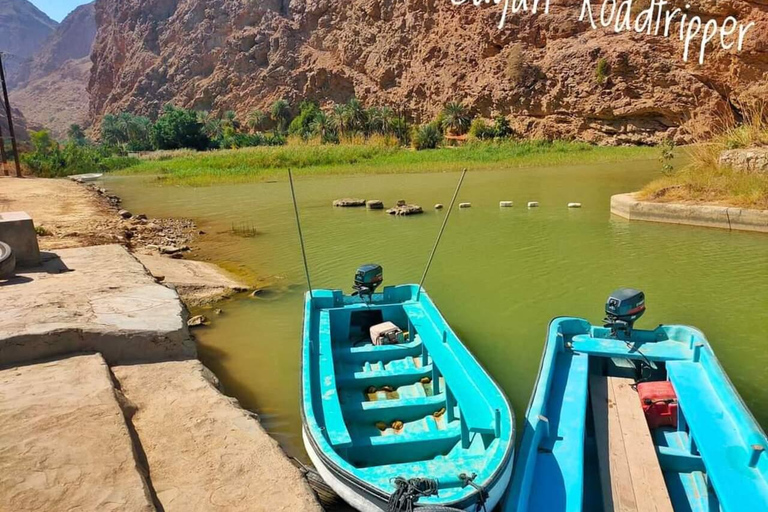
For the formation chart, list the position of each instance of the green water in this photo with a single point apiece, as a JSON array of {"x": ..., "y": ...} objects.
[{"x": 500, "y": 276}]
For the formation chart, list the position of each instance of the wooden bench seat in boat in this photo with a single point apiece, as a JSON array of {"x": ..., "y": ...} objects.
[
  {"x": 476, "y": 412},
  {"x": 727, "y": 457},
  {"x": 630, "y": 473},
  {"x": 335, "y": 428}
]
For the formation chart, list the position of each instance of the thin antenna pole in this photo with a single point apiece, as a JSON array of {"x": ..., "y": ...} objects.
[
  {"x": 10, "y": 118},
  {"x": 3, "y": 158},
  {"x": 301, "y": 236},
  {"x": 440, "y": 234}
]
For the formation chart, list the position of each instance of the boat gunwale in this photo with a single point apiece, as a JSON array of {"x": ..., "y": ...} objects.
[
  {"x": 359, "y": 483},
  {"x": 746, "y": 421}
]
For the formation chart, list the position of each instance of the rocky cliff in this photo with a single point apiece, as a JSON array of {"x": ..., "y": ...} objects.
[
  {"x": 551, "y": 74},
  {"x": 24, "y": 29},
  {"x": 19, "y": 126},
  {"x": 52, "y": 87}
]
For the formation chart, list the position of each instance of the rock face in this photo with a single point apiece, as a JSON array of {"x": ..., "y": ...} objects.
[
  {"x": 19, "y": 125},
  {"x": 52, "y": 89},
  {"x": 24, "y": 29},
  {"x": 415, "y": 55},
  {"x": 746, "y": 160}
]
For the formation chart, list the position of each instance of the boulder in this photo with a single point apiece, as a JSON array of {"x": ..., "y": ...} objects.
[
  {"x": 375, "y": 205},
  {"x": 754, "y": 160},
  {"x": 349, "y": 202},
  {"x": 197, "y": 321},
  {"x": 406, "y": 209}
]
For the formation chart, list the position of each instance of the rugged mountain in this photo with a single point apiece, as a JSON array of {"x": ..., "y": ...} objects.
[
  {"x": 19, "y": 126},
  {"x": 551, "y": 74},
  {"x": 53, "y": 87},
  {"x": 23, "y": 30}
]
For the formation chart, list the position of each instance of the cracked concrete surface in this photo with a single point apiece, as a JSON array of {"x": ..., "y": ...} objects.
[{"x": 94, "y": 299}]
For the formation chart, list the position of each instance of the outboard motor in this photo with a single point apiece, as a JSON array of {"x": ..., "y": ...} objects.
[
  {"x": 367, "y": 279},
  {"x": 624, "y": 307}
]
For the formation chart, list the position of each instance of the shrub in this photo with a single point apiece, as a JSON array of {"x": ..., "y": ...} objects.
[
  {"x": 481, "y": 130},
  {"x": 302, "y": 125},
  {"x": 427, "y": 136},
  {"x": 601, "y": 71},
  {"x": 501, "y": 128},
  {"x": 127, "y": 132},
  {"x": 179, "y": 128}
]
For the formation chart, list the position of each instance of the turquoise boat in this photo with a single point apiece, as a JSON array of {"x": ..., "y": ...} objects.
[
  {"x": 625, "y": 419},
  {"x": 414, "y": 423}
]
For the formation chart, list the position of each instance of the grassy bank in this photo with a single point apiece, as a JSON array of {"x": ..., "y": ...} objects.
[
  {"x": 705, "y": 181},
  {"x": 269, "y": 163}
]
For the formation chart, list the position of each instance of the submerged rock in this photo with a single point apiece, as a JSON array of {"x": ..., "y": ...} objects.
[
  {"x": 406, "y": 209},
  {"x": 349, "y": 202},
  {"x": 198, "y": 321}
]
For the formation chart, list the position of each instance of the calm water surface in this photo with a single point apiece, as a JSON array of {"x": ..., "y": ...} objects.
[{"x": 499, "y": 278}]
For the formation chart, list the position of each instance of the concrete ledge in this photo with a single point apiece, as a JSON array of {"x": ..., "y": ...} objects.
[
  {"x": 723, "y": 217},
  {"x": 18, "y": 231},
  {"x": 64, "y": 442},
  {"x": 94, "y": 299},
  {"x": 204, "y": 452}
]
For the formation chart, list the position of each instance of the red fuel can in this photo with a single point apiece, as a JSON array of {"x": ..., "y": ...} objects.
[{"x": 659, "y": 403}]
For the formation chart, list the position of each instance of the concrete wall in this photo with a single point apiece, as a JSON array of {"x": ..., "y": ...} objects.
[{"x": 723, "y": 217}]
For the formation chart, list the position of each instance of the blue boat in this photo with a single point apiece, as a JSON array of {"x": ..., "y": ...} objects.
[
  {"x": 412, "y": 421},
  {"x": 625, "y": 419}
]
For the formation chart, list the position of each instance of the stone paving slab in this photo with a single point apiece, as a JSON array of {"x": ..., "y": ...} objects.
[
  {"x": 64, "y": 443},
  {"x": 199, "y": 283},
  {"x": 205, "y": 453},
  {"x": 91, "y": 299}
]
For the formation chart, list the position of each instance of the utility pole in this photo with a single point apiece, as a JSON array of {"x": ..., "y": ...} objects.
[
  {"x": 10, "y": 118},
  {"x": 3, "y": 157}
]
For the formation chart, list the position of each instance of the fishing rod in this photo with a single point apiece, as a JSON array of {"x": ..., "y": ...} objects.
[
  {"x": 440, "y": 234},
  {"x": 301, "y": 236}
]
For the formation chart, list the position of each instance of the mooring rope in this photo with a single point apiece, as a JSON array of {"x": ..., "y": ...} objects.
[
  {"x": 408, "y": 493},
  {"x": 482, "y": 494}
]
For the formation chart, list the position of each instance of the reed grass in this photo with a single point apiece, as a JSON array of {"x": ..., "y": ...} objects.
[
  {"x": 704, "y": 180},
  {"x": 307, "y": 158}
]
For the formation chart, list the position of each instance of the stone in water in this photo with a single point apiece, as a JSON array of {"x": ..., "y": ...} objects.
[
  {"x": 349, "y": 202},
  {"x": 506, "y": 204}
]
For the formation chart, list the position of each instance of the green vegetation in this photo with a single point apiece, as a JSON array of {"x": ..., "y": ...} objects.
[
  {"x": 49, "y": 159},
  {"x": 178, "y": 128},
  {"x": 427, "y": 136},
  {"x": 601, "y": 71},
  {"x": 455, "y": 119},
  {"x": 262, "y": 164},
  {"x": 705, "y": 180}
]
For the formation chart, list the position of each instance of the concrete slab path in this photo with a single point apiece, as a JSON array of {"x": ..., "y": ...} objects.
[
  {"x": 64, "y": 443},
  {"x": 93, "y": 299},
  {"x": 204, "y": 452}
]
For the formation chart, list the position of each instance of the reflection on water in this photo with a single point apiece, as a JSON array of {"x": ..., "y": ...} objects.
[{"x": 500, "y": 276}]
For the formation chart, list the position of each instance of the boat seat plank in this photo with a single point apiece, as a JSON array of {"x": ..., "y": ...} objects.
[
  {"x": 477, "y": 413},
  {"x": 335, "y": 427},
  {"x": 656, "y": 351},
  {"x": 717, "y": 437},
  {"x": 630, "y": 472}
]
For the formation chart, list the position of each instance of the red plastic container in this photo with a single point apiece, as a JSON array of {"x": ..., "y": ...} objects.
[{"x": 659, "y": 403}]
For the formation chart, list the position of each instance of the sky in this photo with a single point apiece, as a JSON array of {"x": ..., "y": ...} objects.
[{"x": 58, "y": 9}]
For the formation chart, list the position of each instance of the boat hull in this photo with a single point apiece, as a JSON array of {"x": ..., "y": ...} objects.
[
  {"x": 423, "y": 410},
  {"x": 364, "y": 501}
]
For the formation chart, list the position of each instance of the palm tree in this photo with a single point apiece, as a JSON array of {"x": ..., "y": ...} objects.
[
  {"x": 456, "y": 118},
  {"x": 281, "y": 114},
  {"x": 230, "y": 120},
  {"x": 340, "y": 119},
  {"x": 356, "y": 115},
  {"x": 256, "y": 120},
  {"x": 322, "y": 126},
  {"x": 212, "y": 126}
]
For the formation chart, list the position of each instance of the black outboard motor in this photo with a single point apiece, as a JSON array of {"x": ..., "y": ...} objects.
[
  {"x": 624, "y": 307},
  {"x": 367, "y": 279}
]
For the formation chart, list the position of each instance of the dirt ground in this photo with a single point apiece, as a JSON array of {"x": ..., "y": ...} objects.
[{"x": 67, "y": 214}]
